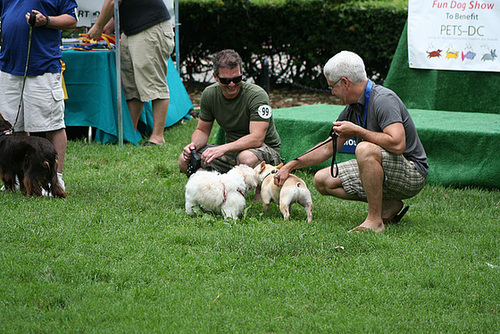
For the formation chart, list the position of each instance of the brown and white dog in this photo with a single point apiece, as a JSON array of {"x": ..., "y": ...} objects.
[
  {"x": 294, "y": 190},
  {"x": 33, "y": 160}
]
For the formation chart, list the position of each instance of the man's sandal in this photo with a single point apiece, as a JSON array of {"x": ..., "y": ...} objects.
[{"x": 397, "y": 217}]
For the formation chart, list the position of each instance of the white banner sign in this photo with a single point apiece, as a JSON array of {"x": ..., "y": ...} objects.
[
  {"x": 88, "y": 11},
  {"x": 454, "y": 35}
]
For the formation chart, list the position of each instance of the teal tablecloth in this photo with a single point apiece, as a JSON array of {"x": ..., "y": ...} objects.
[{"x": 90, "y": 79}]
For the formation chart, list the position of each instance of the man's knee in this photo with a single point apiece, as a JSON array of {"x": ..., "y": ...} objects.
[
  {"x": 366, "y": 150},
  {"x": 319, "y": 182},
  {"x": 248, "y": 158}
]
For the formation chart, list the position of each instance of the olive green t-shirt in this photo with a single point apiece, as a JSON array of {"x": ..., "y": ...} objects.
[{"x": 234, "y": 115}]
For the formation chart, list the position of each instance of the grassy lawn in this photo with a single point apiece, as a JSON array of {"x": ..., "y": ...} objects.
[{"x": 120, "y": 255}]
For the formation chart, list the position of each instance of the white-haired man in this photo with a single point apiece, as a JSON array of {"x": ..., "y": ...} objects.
[{"x": 390, "y": 164}]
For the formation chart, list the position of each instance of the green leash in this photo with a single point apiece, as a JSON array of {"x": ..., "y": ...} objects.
[{"x": 32, "y": 22}]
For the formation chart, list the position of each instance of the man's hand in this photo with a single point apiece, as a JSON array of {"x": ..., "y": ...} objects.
[
  {"x": 40, "y": 19},
  {"x": 212, "y": 153},
  {"x": 186, "y": 152},
  {"x": 281, "y": 176},
  {"x": 95, "y": 32},
  {"x": 346, "y": 129}
]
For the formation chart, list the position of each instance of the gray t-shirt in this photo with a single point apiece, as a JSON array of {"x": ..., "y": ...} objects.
[{"x": 384, "y": 109}]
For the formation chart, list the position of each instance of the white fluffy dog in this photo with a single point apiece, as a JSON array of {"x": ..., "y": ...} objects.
[{"x": 220, "y": 193}]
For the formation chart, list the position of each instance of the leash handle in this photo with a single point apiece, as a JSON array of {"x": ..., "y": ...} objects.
[
  {"x": 32, "y": 19},
  {"x": 334, "y": 156},
  {"x": 333, "y": 139}
]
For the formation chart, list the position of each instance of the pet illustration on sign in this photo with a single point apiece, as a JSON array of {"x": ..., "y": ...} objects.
[
  {"x": 469, "y": 55},
  {"x": 433, "y": 54},
  {"x": 451, "y": 55},
  {"x": 490, "y": 56}
]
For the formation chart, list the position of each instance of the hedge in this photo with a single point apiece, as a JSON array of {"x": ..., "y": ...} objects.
[{"x": 296, "y": 37}]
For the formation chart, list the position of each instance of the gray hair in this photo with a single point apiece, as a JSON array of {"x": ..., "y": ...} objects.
[
  {"x": 345, "y": 64},
  {"x": 226, "y": 59}
]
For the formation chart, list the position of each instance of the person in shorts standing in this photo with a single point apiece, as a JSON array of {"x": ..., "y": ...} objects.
[
  {"x": 390, "y": 164},
  {"x": 146, "y": 44},
  {"x": 243, "y": 111},
  {"x": 31, "y": 94}
]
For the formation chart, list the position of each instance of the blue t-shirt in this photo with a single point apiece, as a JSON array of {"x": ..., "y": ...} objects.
[{"x": 45, "y": 53}]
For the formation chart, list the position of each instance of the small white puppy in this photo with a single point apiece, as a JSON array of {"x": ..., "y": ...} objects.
[
  {"x": 294, "y": 190},
  {"x": 220, "y": 193}
]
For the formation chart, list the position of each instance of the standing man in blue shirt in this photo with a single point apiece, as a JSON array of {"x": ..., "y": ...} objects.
[{"x": 42, "y": 105}]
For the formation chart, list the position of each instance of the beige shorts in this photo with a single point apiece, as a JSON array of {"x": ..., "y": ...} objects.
[
  {"x": 401, "y": 178},
  {"x": 144, "y": 58},
  {"x": 42, "y": 108}
]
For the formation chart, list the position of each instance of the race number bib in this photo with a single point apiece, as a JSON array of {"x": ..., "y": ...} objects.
[{"x": 265, "y": 111}]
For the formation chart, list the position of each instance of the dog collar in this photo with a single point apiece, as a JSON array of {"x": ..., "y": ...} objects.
[
  {"x": 224, "y": 192},
  {"x": 274, "y": 171},
  {"x": 6, "y": 132}
]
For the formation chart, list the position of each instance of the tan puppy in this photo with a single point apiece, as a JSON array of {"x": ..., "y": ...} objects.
[{"x": 294, "y": 190}]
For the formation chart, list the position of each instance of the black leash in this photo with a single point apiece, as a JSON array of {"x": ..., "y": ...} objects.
[
  {"x": 333, "y": 139},
  {"x": 32, "y": 22}
]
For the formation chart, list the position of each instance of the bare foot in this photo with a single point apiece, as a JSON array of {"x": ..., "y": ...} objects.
[
  {"x": 369, "y": 226},
  {"x": 157, "y": 140}
]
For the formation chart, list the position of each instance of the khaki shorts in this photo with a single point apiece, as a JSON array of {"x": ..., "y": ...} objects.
[
  {"x": 42, "y": 108},
  {"x": 144, "y": 59},
  {"x": 401, "y": 178},
  {"x": 224, "y": 163}
]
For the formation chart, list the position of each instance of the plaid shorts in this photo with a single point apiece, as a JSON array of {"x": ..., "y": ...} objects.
[
  {"x": 401, "y": 178},
  {"x": 224, "y": 163}
]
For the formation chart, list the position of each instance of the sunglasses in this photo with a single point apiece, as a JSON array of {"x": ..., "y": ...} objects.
[
  {"x": 331, "y": 87},
  {"x": 227, "y": 81}
]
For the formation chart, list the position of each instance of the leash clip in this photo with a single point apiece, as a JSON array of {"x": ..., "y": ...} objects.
[{"x": 7, "y": 132}]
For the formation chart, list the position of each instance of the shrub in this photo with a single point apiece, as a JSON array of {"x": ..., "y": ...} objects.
[{"x": 296, "y": 37}]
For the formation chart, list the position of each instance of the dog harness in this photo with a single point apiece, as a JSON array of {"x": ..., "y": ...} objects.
[
  {"x": 6, "y": 132},
  {"x": 274, "y": 171}
]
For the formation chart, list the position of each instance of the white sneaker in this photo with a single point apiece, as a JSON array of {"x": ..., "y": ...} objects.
[{"x": 61, "y": 181}]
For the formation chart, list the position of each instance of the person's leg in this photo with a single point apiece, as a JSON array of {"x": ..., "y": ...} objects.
[
  {"x": 135, "y": 108},
  {"x": 330, "y": 186},
  {"x": 248, "y": 158},
  {"x": 369, "y": 158},
  {"x": 148, "y": 55},
  {"x": 60, "y": 141},
  {"x": 363, "y": 178},
  {"x": 160, "y": 108}
]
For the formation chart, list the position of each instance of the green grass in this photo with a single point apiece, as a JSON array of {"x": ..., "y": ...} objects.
[{"x": 119, "y": 255}]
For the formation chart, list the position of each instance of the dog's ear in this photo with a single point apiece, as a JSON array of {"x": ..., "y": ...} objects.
[
  {"x": 262, "y": 166},
  {"x": 279, "y": 166}
]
